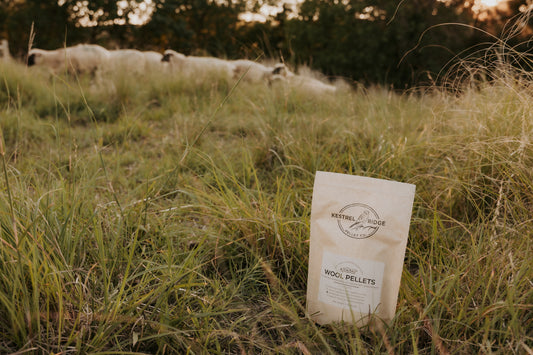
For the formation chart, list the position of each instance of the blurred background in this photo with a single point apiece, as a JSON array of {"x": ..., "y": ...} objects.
[{"x": 395, "y": 43}]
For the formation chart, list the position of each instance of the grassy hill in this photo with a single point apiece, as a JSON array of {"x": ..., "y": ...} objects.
[{"x": 171, "y": 215}]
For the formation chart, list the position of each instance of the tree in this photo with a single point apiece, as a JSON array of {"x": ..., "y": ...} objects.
[
  {"x": 367, "y": 41},
  {"x": 196, "y": 25},
  {"x": 49, "y": 21},
  {"x": 377, "y": 40},
  {"x": 58, "y": 23}
]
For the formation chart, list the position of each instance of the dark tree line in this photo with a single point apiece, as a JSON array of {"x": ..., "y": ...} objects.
[{"x": 369, "y": 41}]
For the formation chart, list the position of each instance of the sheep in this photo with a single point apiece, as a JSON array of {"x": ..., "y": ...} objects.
[
  {"x": 251, "y": 71},
  {"x": 130, "y": 61},
  {"x": 78, "y": 59},
  {"x": 4, "y": 50},
  {"x": 281, "y": 73},
  {"x": 152, "y": 60},
  {"x": 190, "y": 65},
  {"x": 173, "y": 58}
]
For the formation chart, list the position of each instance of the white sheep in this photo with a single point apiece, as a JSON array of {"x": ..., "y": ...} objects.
[
  {"x": 129, "y": 61},
  {"x": 4, "y": 50},
  {"x": 152, "y": 60},
  {"x": 190, "y": 65},
  {"x": 303, "y": 81},
  {"x": 251, "y": 71},
  {"x": 78, "y": 59}
]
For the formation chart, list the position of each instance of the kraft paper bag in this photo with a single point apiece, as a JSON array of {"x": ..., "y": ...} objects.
[{"x": 359, "y": 229}]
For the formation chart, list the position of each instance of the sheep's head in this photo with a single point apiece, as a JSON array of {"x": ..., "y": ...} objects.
[
  {"x": 281, "y": 69},
  {"x": 38, "y": 56},
  {"x": 33, "y": 58},
  {"x": 171, "y": 56},
  {"x": 280, "y": 73},
  {"x": 53, "y": 60}
]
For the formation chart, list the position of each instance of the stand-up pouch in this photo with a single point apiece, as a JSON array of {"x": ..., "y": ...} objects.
[{"x": 359, "y": 229}]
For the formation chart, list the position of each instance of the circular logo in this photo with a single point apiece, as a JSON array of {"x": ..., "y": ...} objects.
[{"x": 359, "y": 221}]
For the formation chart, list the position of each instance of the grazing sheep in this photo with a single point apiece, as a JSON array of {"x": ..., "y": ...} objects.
[
  {"x": 173, "y": 58},
  {"x": 130, "y": 61},
  {"x": 79, "y": 59},
  {"x": 306, "y": 82},
  {"x": 152, "y": 60},
  {"x": 190, "y": 65},
  {"x": 4, "y": 50},
  {"x": 253, "y": 72},
  {"x": 281, "y": 71}
]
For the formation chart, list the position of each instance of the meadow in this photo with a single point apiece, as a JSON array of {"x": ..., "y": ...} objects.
[{"x": 165, "y": 215}]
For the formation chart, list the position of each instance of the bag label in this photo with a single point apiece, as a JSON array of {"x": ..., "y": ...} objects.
[
  {"x": 358, "y": 221},
  {"x": 350, "y": 283}
]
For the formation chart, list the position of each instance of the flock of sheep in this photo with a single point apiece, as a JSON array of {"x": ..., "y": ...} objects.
[{"x": 99, "y": 62}]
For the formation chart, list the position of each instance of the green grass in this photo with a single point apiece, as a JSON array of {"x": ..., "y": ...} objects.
[{"x": 146, "y": 217}]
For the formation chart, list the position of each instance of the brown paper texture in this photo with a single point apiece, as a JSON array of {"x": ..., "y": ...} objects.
[{"x": 359, "y": 229}]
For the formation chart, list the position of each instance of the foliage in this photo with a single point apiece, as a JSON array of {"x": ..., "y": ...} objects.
[
  {"x": 403, "y": 44},
  {"x": 196, "y": 24},
  {"x": 380, "y": 42},
  {"x": 18, "y": 18}
]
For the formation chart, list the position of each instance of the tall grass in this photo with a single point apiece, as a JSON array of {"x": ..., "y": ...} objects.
[{"x": 111, "y": 242}]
